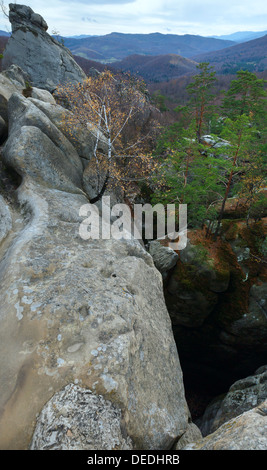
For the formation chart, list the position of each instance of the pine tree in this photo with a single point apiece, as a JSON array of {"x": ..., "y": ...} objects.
[
  {"x": 201, "y": 97},
  {"x": 246, "y": 96}
]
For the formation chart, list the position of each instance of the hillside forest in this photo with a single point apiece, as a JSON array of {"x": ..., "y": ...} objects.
[
  {"x": 215, "y": 149},
  {"x": 206, "y": 145},
  {"x": 205, "y": 152}
]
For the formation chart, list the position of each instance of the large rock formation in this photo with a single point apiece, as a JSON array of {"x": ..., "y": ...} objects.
[
  {"x": 88, "y": 357},
  {"x": 46, "y": 61},
  {"x": 83, "y": 324}
]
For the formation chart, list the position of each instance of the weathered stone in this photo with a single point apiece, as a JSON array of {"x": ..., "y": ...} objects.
[
  {"x": 247, "y": 431},
  {"x": 77, "y": 419},
  {"x": 30, "y": 152},
  {"x": 21, "y": 15},
  {"x": 242, "y": 396},
  {"x": 213, "y": 142},
  {"x": 192, "y": 434},
  {"x": 16, "y": 75},
  {"x": 42, "y": 95},
  {"x": 30, "y": 41},
  {"x": 23, "y": 113},
  {"x": 74, "y": 311},
  {"x": 188, "y": 307},
  {"x": 8, "y": 86},
  {"x": 39, "y": 149},
  {"x": 251, "y": 328},
  {"x": 83, "y": 139},
  {"x": 5, "y": 219},
  {"x": 216, "y": 280},
  {"x": 163, "y": 256}
]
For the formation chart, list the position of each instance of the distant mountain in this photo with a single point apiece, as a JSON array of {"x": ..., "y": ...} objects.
[
  {"x": 242, "y": 36},
  {"x": 158, "y": 68},
  {"x": 116, "y": 46},
  {"x": 81, "y": 36},
  {"x": 4, "y": 33},
  {"x": 249, "y": 55}
]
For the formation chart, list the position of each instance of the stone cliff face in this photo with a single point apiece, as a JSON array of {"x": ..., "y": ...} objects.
[
  {"x": 87, "y": 313},
  {"x": 47, "y": 62},
  {"x": 88, "y": 358}
]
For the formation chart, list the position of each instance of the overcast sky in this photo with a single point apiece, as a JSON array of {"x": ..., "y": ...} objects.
[{"x": 203, "y": 17}]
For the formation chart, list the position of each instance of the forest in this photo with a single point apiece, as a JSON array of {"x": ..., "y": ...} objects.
[
  {"x": 216, "y": 148},
  {"x": 203, "y": 152}
]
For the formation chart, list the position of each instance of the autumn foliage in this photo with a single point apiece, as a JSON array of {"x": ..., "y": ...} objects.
[{"x": 112, "y": 108}]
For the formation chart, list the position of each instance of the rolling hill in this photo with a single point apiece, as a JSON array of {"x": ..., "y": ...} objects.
[
  {"x": 251, "y": 55},
  {"x": 157, "y": 68},
  {"x": 116, "y": 46}
]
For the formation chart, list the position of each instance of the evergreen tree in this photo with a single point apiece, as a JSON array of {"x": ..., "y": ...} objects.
[
  {"x": 245, "y": 106},
  {"x": 189, "y": 174},
  {"x": 204, "y": 175},
  {"x": 201, "y": 96},
  {"x": 246, "y": 96}
]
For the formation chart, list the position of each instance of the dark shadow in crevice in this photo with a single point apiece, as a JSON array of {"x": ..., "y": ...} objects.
[{"x": 10, "y": 180}]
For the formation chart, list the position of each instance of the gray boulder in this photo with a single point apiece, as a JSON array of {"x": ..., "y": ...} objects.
[
  {"x": 77, "y": 419},
  {"x": 47, "y": 62},
  {"x": 192, "y": 434},
  {"x": 242, "y": 396},
  {"x": 244, "y": 432},
  {"x": 163, "y": 256},
  {"x": 15, "y": 80}
]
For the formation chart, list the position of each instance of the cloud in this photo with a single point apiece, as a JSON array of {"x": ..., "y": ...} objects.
[
  {"x": 204, "y": 17},
  {"x": 88, "y": 20},
  {"x": 99, "y": 2}
]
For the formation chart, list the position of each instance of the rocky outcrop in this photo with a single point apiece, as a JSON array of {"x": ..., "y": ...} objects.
[
  {"x": 82, "y": 322},
  {"x": 245, "y": 432},
  {"x": 46, "y": 61},
  {"x": 87, "y": 353},
  {"x": 243, "y": 395},
  {"x": 15, "y": 80}
]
